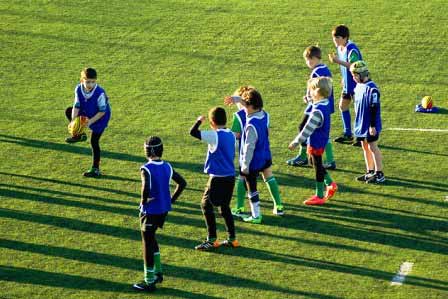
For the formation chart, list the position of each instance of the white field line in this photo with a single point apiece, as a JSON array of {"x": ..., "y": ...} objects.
[
  {"x": 399, "y": 278},
  {"x": 416, "y": 129}
]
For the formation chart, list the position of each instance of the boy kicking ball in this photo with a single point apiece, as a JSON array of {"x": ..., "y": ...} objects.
[{"x": 91, "y": 102}]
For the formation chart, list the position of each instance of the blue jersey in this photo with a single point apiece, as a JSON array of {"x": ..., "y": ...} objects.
[
  {"x": 220, "y": 157},
  {"x": 349, "y": 50},
  {"x": 91, "y": 103},
  {"x": 366, "y": 95},
  {"x": 262, "y": 152},
  {"x": 319, "y": 138},
  {"x": 160, "y": 173},
  {"x": 321, "y": 70}
]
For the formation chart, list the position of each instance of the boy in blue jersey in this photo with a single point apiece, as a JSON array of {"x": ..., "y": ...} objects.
[
  {"x": 155, "y": 204},
  {"x": 90, "y": 101},
  {"x": 313, "y": 59},
  {"x": 238, "y": 125},
  {"x": 347, "y": 53},
  {"x": 317, "y": 131},
  {"x": 219, "y": 166},
  {"x": 368, "y": 122},
  {"x": 255, "y": 153}
]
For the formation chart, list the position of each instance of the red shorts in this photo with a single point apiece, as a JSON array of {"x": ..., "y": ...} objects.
[{"x": 315, "y": 151}]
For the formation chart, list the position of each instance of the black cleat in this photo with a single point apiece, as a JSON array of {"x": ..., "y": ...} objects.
[
  {"x": 144, "y": 287},
  {"x": 365, "y": 177},
  {"x": 377, "y": 178},
  {"x": 344, "y": 139},
  {"x": 158, "y": 277},
  {"x": 92, "y": 173},
  {"x": 74, "y": 139}
]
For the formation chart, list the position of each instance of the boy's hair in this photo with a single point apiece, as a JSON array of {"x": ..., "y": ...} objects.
[
  {"x": 323, "y": 84},
  {"x": 312, "y": 51},
  {"x": 218, "y": 116},
  {"x": 243, "y": 89},
  {"x": 253, "y": 98},
  {"x": 153, "y": 147},
  {"x": 88, "y": 73},
  {"x": 341, "y": 30}
]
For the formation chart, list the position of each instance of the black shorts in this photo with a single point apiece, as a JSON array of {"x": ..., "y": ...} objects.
[
  {"x": 156, "y": 220},
  {"x": 256, "y": 172},
  {"x": 219, "y": 190},
  {"x": 347, "y": 96},
  {"x": 369, "y": 138}
]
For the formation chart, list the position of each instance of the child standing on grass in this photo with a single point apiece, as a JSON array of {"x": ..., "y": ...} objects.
[
  {"x": 219, "y": 166},
  {"x": 347, "y": 53},
  {"x": 255, "y": 153},
  {"x": 155, "y": 204},
  {"x": 317, "y": 131},
  {"x": 313, "y": 59},
  {"x": 368, "y": 122},
  {"x": 90, "y": 101},
  {"x": 238, "y": 125}
]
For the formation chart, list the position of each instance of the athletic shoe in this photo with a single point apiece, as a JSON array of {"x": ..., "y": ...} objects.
[
  {"x": 365, "y": 177},
  {"x": 278, "y": 210},
  {"x": 314, "y": 200},
  {"x": 330, "y": 166},
  {"x": 158, "y": 277},
  {"x": 144, "y": 286},
  {"x": 207, "y": 245},
  {"x": 344, "y": 139},
  {"x": 92, "y": 173},
  {"x": 82, "y": 137},
  {"x": 297, "y": 161},
  {"x": 239, "y": 212},
  {"x": 228, "y": 243},
  {"x": 356, "y": 143},
  {"x": 253, "y": 220},
  {"x": 377, "y": 178},
  {"x": 331, "y": 190}
]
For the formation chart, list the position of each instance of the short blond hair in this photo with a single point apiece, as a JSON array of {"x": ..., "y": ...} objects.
[{"x": 324, "y": 85}]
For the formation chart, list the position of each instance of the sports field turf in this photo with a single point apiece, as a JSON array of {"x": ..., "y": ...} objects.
[{"x": 163, "y": 63}]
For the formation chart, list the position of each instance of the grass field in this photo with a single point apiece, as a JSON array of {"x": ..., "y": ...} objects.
[{"x": 163, "y": 63}]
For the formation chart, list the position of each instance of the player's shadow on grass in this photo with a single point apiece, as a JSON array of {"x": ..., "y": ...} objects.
[
  {"x": 400, "y": 149},
  {"x": 172, "y": 218},
  {"x": 70, "y": 281},
  {"x": 217, "y": 278},
  {"x": 188, "y": 273},
  {"x": 70, "y": 148}
]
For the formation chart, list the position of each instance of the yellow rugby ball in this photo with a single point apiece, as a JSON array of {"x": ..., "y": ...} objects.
[
  {"x": 427, "y": 102},
  {"x": 77, "y": 126}
]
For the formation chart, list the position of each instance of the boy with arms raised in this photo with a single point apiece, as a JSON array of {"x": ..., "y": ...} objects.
[
  {"x": 313, "y": 59},
  {"x": 347, "y": 53},
  {"x": 238, "y": 126},
  {"x": 316, "y": 132},
  {"x": 219, "y": 166},
  {"x": 155, "y": 204},
  {"x": 368, "y": 122}
]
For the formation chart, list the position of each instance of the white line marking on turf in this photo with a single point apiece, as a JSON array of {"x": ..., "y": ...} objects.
[
  {"x": 416, "y": 129},
  {"x": 399, "y": 278}
]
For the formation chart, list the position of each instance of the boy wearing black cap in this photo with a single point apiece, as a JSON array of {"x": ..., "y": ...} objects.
[{"x": 155, "y": 204}]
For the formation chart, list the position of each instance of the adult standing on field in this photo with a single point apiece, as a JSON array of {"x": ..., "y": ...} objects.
[{"x": 347, "y": 53}]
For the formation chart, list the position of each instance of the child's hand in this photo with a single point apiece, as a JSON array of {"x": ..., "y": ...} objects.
[
  {"x": 292, "y": 146},
  {"x": 372, "y": 131},
  {"x": 201, "y": 119},
  {"x": 333, "y": 58},
  {"x": 228, "y": 100}
]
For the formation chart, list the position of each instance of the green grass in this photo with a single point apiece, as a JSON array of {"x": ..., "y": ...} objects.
[{"x": 163, "y": 63}]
